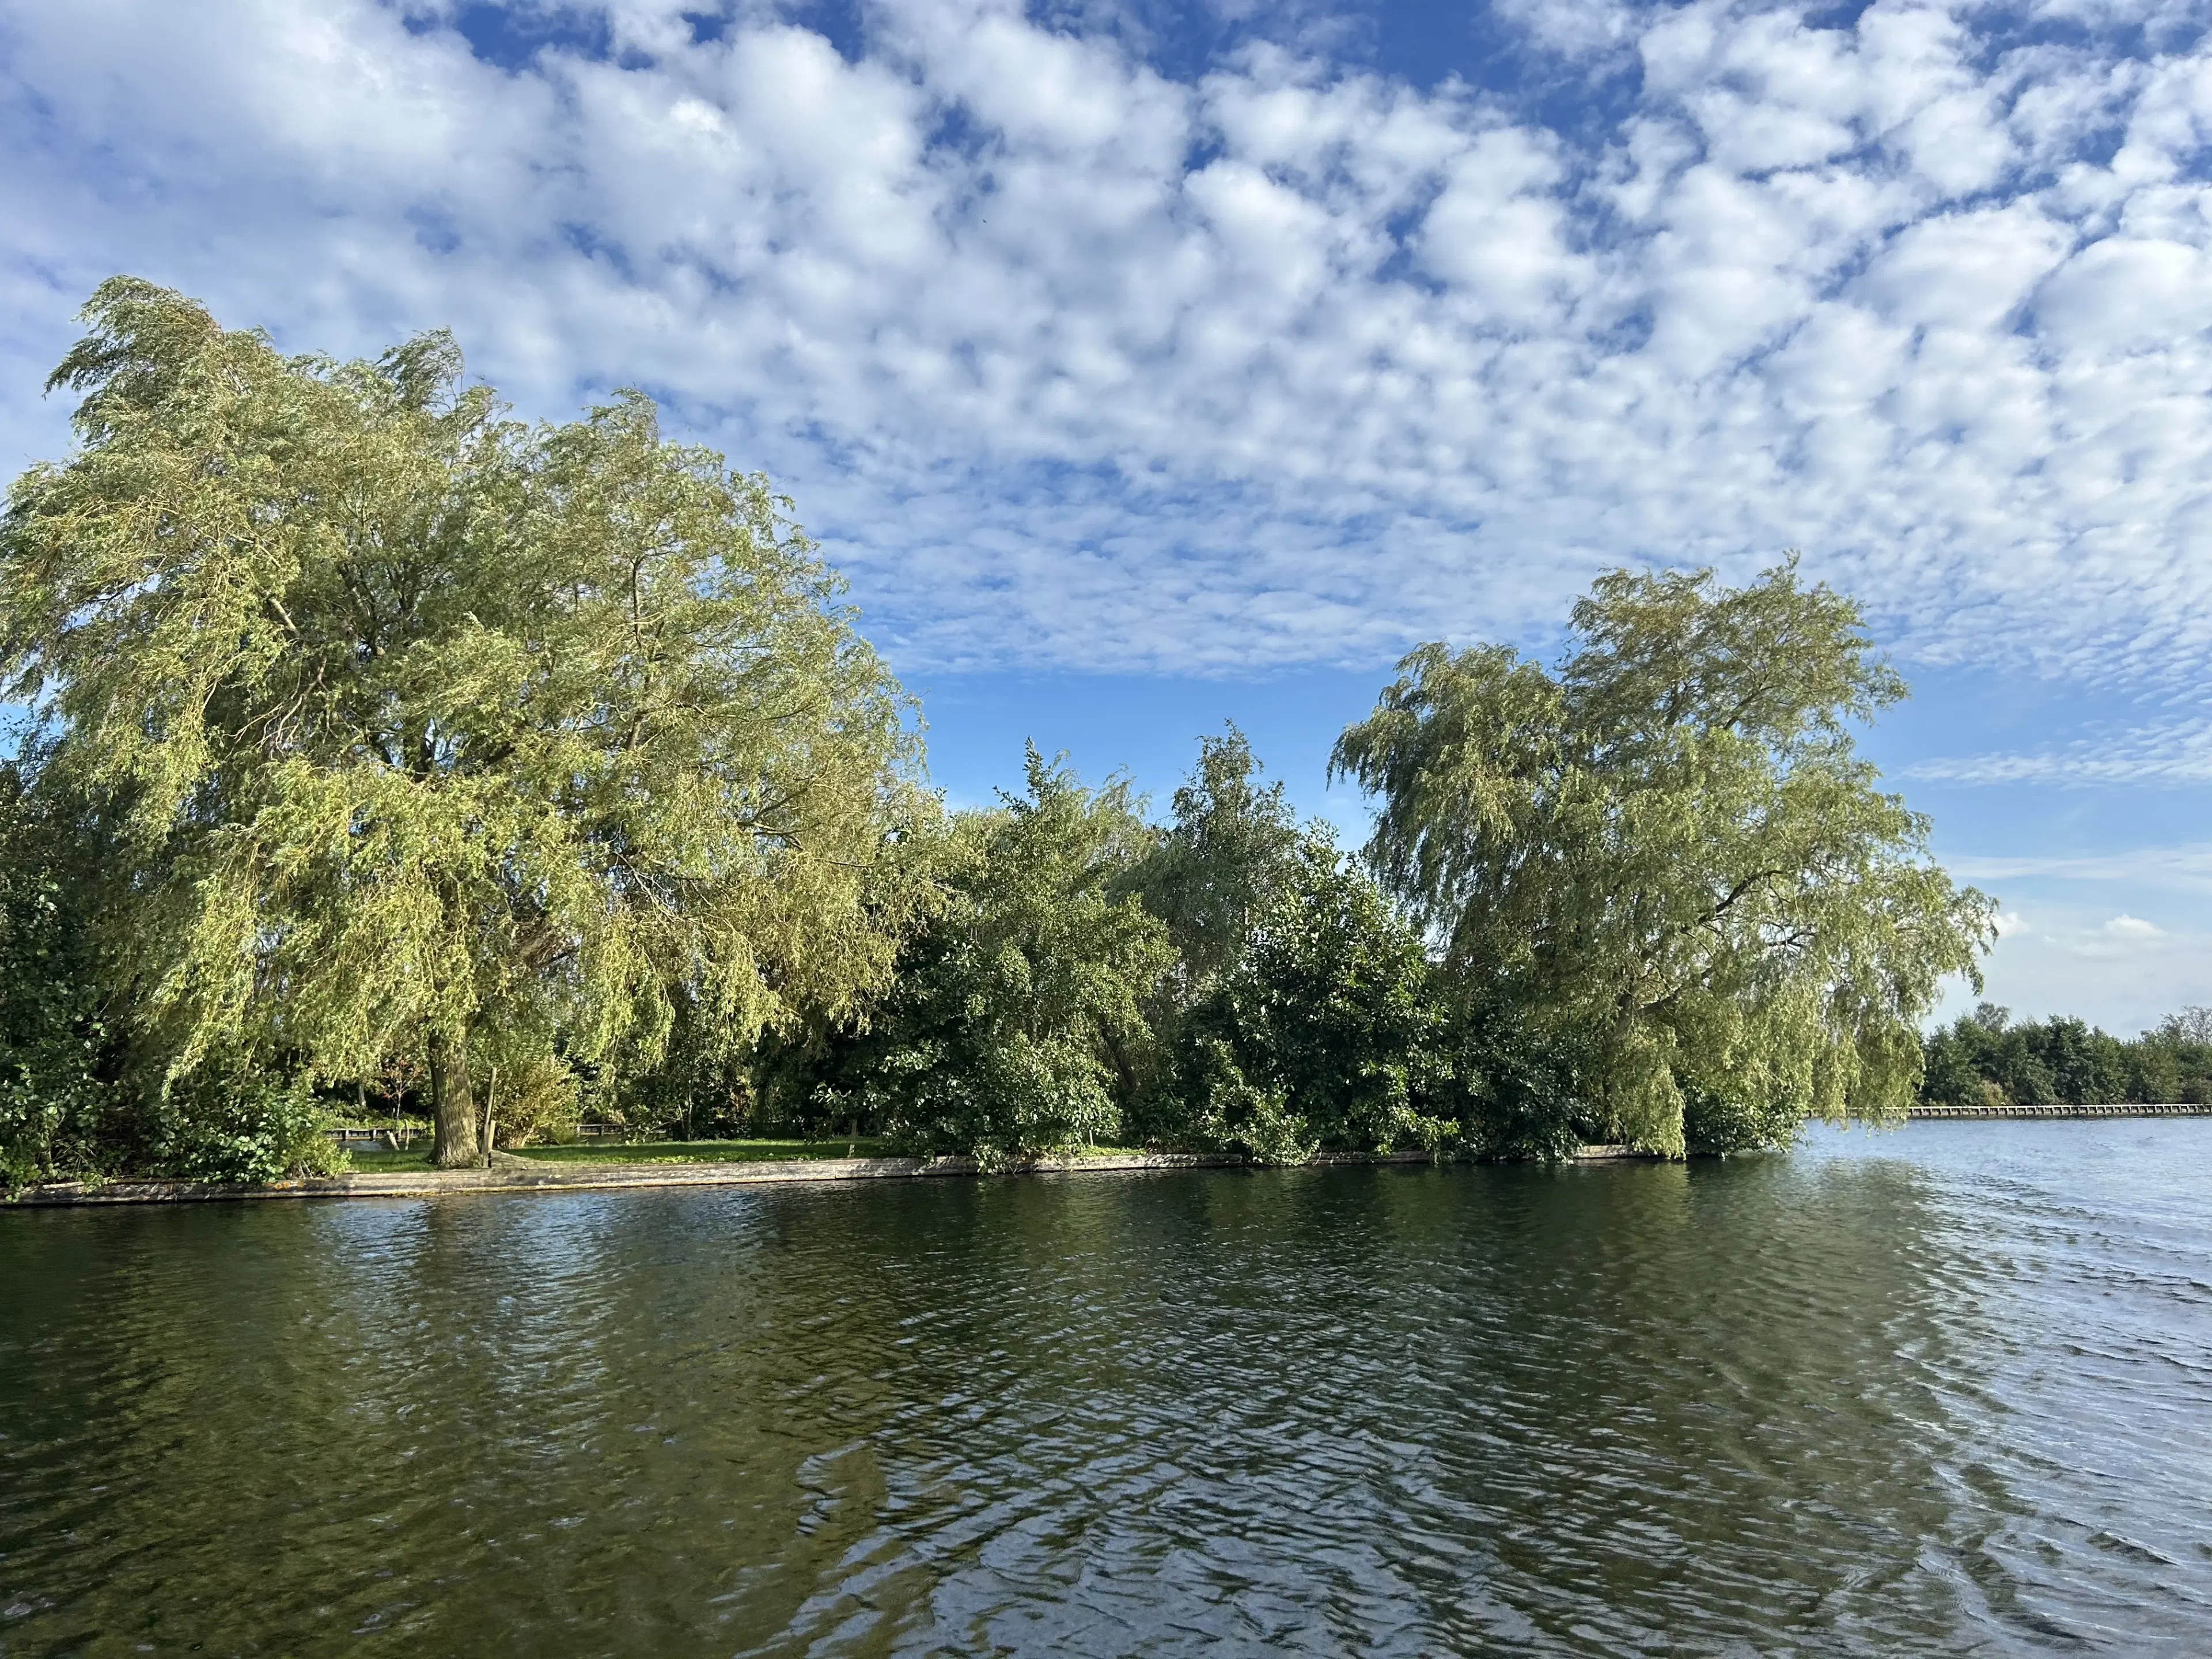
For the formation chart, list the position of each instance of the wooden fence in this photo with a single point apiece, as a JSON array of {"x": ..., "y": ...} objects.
[{"x": 2060, "y": 1111}]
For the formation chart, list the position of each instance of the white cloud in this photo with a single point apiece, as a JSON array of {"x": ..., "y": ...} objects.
[
  {"x": 2173, "y": 750},
  {"x": 2133, "y": 927},
  {"x": 1074, "y": 362},
  {"x": 2126, "y": 294},
  {"x": 1966, "y": 270},
  {"x": 2188, "y": 866}
]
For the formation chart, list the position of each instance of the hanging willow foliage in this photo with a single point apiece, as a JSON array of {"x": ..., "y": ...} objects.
[
  {"x": 1669, "y": 854},
  {"x": 433, "y": 730}
]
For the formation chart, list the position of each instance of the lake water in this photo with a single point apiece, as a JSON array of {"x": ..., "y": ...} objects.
[{"x": 1946, "y": 1391}]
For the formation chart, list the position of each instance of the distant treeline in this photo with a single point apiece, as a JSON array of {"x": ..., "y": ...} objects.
[
  {"x": 386, "y": 752},
  {"x": 1986, "y": 1058}
]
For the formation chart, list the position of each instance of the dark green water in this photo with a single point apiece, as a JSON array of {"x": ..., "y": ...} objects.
[{"x": 1948, "y": 1390}]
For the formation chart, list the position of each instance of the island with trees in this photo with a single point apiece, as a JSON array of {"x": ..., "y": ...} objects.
[{"x": 381, "y": 753}]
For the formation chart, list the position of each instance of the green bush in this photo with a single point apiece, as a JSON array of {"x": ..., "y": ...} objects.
[
  {"x": 58, "y": 1107},
  {"x": 1323, "y": 1036},
  {"x": 236, "y": 1124},
  {"x": 1017, "y": 1024}
]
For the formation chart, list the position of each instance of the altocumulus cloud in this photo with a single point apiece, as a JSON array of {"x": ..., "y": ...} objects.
[
  {"x": 2176, "y": 749},
  {"x": 1082, "y": 358}
]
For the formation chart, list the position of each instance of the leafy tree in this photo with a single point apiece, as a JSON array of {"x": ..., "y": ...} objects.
[
  {"x": 2189, "y": 1027},
  {"x": 1016, "y": 1024},
  {"x": 435, "y": 734},
  {"x": 1669, "y": 849},
  {"x": 1955, "y": 1064},
  {"x": 1322, "y": 1034},
  {"x": 75, "y": 1100},
  {"x": 1298, "y": 1017},
  {"x": 1986, "y": 1057},
  {"x": 2175, "y": 1059},
  {"x": 2020, "y": 1072},
  {"x": 1223, "y": 863},
  {"x": 58, "y": 1057},
  {"x": 2082, "y": 1065},
  {"x": 2154, "y": 1075}
]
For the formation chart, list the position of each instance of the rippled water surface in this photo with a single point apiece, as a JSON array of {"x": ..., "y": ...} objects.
[{"x": 1944, "y": 1390}]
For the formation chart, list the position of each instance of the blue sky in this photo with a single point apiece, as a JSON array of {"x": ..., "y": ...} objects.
[{"x": 1146, "y": 365}]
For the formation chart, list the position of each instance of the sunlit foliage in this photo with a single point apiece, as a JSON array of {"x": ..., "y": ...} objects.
[
  {"x": 380, "y": 742},
  {"x": 1017, "y": 1024},
  {"x": 1667, "y": 856},
  {"x": 432, "y": 731}
]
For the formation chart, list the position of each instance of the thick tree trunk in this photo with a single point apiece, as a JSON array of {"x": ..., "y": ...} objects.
[{"x": 458, "y": 1143}]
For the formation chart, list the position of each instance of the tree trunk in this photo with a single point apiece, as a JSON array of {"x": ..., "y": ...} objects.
[
  {"x": 490, "y": 1105},
  {"x": 453, "y": 1104}
]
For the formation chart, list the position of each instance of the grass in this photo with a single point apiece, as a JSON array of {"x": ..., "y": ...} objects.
[
  {"x": 700, "y": 1152},
  {"x": 381, "y": 1160}
]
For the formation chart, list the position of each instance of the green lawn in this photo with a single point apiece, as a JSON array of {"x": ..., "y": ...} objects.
[
  {"x": 383, "y": 1161},
  {"x": 700, "y": 1152}
]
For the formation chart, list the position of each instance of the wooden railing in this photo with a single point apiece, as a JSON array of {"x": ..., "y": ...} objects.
[{"x": 2060, "y": 1111}]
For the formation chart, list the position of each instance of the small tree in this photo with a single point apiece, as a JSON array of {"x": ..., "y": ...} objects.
[
  {"x": 1323, "y": 1033},
  {"x": 1231, "y": 851},
  {"x": 1668, "y": 855},
  {"x": 430, "y": 726},
  {"x": 1016, "y": 1024}
]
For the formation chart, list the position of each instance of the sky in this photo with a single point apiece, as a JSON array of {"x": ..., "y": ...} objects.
[{"x": 1148, "y": 366}]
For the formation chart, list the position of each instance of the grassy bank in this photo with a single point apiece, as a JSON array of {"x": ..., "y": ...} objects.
[
  {"x": 379, "y": 1160},
  {"x": 382, "y": 1160}
]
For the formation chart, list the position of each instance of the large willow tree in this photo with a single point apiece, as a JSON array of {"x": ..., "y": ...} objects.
[
  {"x": 436, "y": 736},
  {"x": 1667, "y": 862}
]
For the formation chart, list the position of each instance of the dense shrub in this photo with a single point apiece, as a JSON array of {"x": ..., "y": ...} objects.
[
  {"x": 59, "y": 1108},
  {"x": 239, "y": 1123},
  {"x": 1325, "y": 1036}
]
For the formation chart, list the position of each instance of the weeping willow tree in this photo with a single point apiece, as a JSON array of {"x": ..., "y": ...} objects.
[
  {"x": 1666, "y": 859},
  {"x": 439, "y": 737}
]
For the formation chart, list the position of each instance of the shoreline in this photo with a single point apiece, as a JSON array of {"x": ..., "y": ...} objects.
[
  {"x": 515, "y": 1175},
  {"x": 520, "y": 1176}
]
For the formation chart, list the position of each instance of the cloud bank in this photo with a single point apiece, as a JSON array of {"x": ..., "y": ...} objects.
[{"x": 1076, "y": 357}]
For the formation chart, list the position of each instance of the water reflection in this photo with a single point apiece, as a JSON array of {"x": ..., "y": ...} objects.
[{"x": 1910, "y": 1396}]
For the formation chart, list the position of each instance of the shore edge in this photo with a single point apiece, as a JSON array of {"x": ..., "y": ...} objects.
[{"x": 516, "y": 1176}]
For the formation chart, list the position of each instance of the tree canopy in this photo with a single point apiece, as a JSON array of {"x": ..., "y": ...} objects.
[
  {"x": 1988, "y": 1059},
  {"x": 1016, "y": 1023},
  {"x": 1666, "y": 855},
  {"x": 384, "y": 744},
  {"x": 431, "y": 732},
  {"x": 1221, "y": 862}
]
